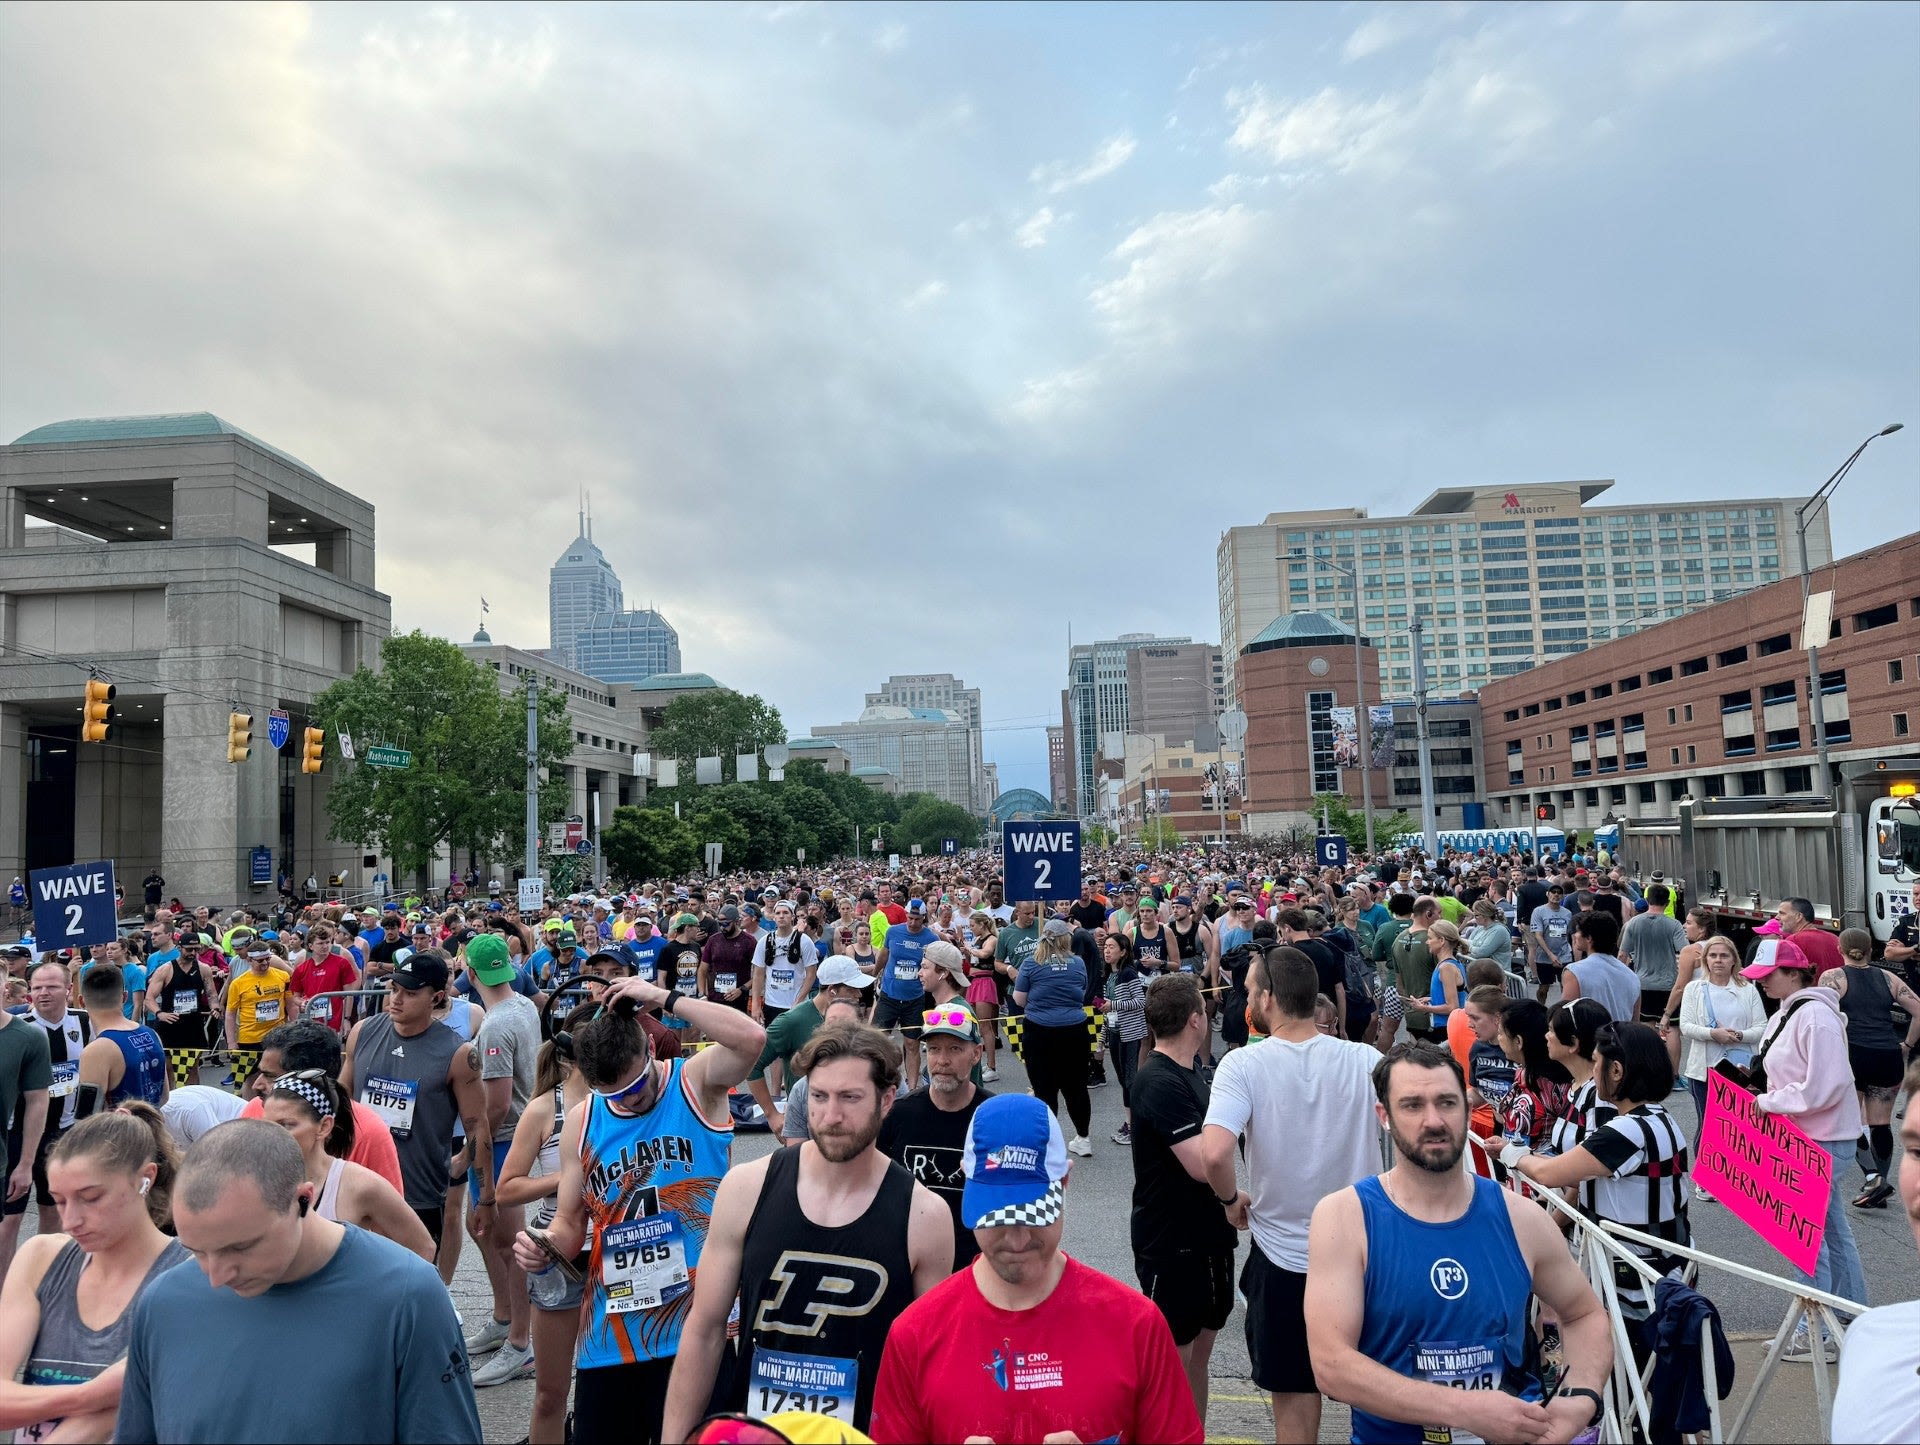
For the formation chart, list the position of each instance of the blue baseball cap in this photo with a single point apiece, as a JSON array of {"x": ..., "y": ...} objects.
[{"x": 1015, "y": 1162}]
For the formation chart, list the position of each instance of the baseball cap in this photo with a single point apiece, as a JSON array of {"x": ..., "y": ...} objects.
[
  {"x": 730, "y": 913},
  {"x": 1786, "y": 954},
  {"x": 836, "y": 970},
  {"x": 487, "y": 957},
  {"x": 916, "y": 905},
  {"x": 948, "y": 959},
  {"x": 565, "y": 937},
  {"x": 421, "y": 970},
  {"x": 1183, "y": 901},
  {"x": 682, "y": 920},
  {"x": 1769, "y": 929},
  {"x": 553, "y": 925},
  {"x": 1057, "y": 928},
  {"x": 1015, "y": 1162},
  {"x": 955, "y": 1020}
]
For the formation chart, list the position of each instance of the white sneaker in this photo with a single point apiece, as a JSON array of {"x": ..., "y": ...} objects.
[
  {"x": 989, "y": 1076},
  {"x": 1080, "y": 1145},
  {"x": 1800, "y": 1348},
  {"x": 489, "y": 1337},
  {"x": 508, "y": 1363},
  {"x": 1700, "y": 1193}
]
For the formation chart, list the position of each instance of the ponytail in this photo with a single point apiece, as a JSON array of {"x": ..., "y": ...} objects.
[{"x": 126, "y": 1140}]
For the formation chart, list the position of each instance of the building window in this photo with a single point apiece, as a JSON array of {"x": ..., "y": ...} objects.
[
  {"x": 1896, "y": 670},
  {"x": 1768, "y": 646},
  {"x": 1899, "y": 724},
  {"x": 1797, "y": 780},
  {"x": 1691, "y": 754},
  {"x": 1733, "y": 656},
  {"x": 1876, "y": 617},
  {"x": 1676, "y": 757},
  {"x": 1694, "y": 666}
]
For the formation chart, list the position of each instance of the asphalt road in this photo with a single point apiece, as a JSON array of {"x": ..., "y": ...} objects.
[{"x": 1099, "y": 1203}]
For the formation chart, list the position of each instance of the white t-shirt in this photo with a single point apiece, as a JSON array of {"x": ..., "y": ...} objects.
[
  {"x": 192, "y": 1109},
  {"x": 784, "y": 974},
  {"x": 1879, "y": 1395},
  {"x": 1307, "y": 1113}
]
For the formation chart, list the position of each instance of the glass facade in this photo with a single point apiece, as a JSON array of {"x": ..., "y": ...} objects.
[{"x": 626, "y": 647}]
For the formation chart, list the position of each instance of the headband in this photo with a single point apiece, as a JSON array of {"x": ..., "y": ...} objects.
[{"x": 312, "y": 1093}]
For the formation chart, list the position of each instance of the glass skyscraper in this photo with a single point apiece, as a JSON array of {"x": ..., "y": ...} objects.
[
  {"x": 626, "y": 646},
  {"x": 580, "y": 587}
]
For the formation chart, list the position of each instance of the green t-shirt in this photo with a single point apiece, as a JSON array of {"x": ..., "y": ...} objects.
[
  {"x": 1383, "y": 938},
  {"x": 26, "y": 1064},
  {"x": 1451, "y": 908},
  {"x": 786, "y": 1036},
  {"x": 1014, "y": 946}
]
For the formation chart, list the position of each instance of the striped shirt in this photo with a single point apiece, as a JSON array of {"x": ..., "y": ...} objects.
[{"x": 1646, "y": 1152}]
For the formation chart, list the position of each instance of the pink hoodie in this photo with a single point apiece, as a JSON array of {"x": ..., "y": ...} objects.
[{"x": 1809, "y": 1079}]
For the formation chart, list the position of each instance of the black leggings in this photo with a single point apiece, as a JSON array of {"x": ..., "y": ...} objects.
[
  {"x": 620, "y": 1402},
  {"x": 1126, "y": 1063},
  {"x": 1056, "y": 1066}
]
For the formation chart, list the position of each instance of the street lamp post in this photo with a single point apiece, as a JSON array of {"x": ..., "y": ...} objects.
[
  {"x": 1802, "y": 515},
  {"x": 1361, "y": 720}
]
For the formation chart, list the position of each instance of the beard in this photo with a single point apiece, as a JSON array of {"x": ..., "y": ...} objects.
[
  {"x": 1436, "y": 1151},
  {"x": 943, "y": 1084},
  {"x": 837, "y": 1146}
]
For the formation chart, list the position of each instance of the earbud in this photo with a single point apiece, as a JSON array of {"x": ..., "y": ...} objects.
[
  {"x": 145, "y": 1184},
  {"x": 303, "y": 1206}
]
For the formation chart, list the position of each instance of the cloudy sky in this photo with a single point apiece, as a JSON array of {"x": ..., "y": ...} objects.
[{"x": 899, "y": 339}]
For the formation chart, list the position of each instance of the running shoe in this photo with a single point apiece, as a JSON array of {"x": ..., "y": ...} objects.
[
  {"x": 1122, "y": 1135},
  {"x": 489, "y": 1337},
  {"x": 1875, "y": 1195},
  {"x": 1080, "y": 1145},
  {"x": 1702, "y": 1196},
  {"x": 1800, "y": 1348},
  {"x": 508, "y": 1363},
  {"x": 989, "y": 1076}
]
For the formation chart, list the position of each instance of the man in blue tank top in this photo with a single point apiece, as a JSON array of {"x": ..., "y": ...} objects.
[
  {"x": 125, "y": 1060},
  {"x": 1419, "y": 1281}
]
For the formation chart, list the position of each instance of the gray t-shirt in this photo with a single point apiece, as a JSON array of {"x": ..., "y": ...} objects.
[
  {"x": 509, "y": 1044},
  {"x": 1609, "y": 983},
  {"x": 1653, "y": 941},
  {"x": 1555, "y": 927},
  {"x": 795, "y": 1126}
]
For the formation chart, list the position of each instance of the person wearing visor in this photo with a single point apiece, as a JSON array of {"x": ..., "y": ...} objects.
[
  {"x": 256, "y": 1001},
  {"x": 640, "y": 1162},
  {"x": 1019, "y": 1314},
  {"x": 926, "y": 1130}
]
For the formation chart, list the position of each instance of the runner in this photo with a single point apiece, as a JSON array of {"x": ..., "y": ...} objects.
[
  {"x": 26, "y": 1084},
  {"x": 182, "y": 1001},
  {"x": 315, "y": 1112},
  {"x": 1421, "y": 1279},
  {"x": 1295, "y": 1158},
  {"x": 1549, "y": 937},
  {"x": 268, "y": 1267},
  {"x": 784, "y": 965},
  {"x": 897, "y": 1003},
  {"x": 640, "y": 1163},
  {"x": 726, "y": 962},
  {"x": 926, "y": 1130},
  {"x": 1183, "y": 1245},
  {"x": 1596, "y": 973},
  {"x": 1124, "y": 1007},
  {"x": 256, "y": 999},
  {"x": 1069, "y": 1354},
  {"x": 821, "y": 1247},
  {"x": 325, "y": 969},
  {"x": 1051, "y": 990},
  {"x": 788, "y": 1034},
  {"x": 983, "y": 985},
  {"x": 67, "y": 1309},
  {"x": 310, "y": 1044},
  {"x": 419, "y": 1076},
  {"x": 125, "y": 1059}
]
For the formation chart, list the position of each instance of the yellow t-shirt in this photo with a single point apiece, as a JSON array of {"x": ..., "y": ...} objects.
[{"x": 258, "y": 1003}]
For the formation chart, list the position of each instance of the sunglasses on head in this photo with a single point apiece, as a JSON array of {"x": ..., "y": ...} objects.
[{"x": 949, "y": 1017}]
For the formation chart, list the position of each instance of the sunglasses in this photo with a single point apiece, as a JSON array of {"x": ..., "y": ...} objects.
[
  {"x": 732, "y": 1429},
  {"x": 949, "y": 1017}
]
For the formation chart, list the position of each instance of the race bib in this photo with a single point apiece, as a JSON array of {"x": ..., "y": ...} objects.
[
  {"x": 186, "y": 1001},
  {"x": 266, "y": 1010},
  {"x": 319, "y": 1008},
  {"x": 725, "y": 982},
  {"x": 1459, "y": 1367},
  {"x": 643, "y": 1264},
  {"x": 782, "y": 978},
  {"x": 817, "y": 1384},
  {"x": 393, "y": 1100},
  {"x": 1556, "y": 930},
  {"x": 643, "y": 968},
  {"x": 66, "y": 1078},
  {"x": 689, "y": 980},
  {"x": 906, "y": 972}
]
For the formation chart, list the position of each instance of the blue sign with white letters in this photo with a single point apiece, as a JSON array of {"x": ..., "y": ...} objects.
[
  {"x": 279, "y": 727},
  {"x": 949, "y": 845},
  {"x": 73, "y": 906},
  {"x": 1331, "y": 850},
  {"x": 1042, "y": 861},
  {"x": 260, "y": 866}
]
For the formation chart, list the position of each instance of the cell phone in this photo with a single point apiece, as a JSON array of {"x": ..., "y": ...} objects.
[{"x": 566, "y": 1266}]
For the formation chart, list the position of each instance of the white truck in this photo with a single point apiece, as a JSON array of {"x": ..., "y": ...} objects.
[{"x": 1856, "y": 859}]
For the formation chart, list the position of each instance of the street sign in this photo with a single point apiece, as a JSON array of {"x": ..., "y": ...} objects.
[
  {"x": 949, "y": 846},
  {"x": 533, "y": 894},
  {"x": 279, "y": 728},
  {"x": 713, "y": 858},
  {"x": 387, "y": 757},
  {"x": 1233, "y": 726},
  {"x": 73, "y": 905},
  {"x": 1043, "y": 861},
  {"x": 584, "y": 847},
  {"x": 346, "y": 744},
  {"x": 1330, "y": 849},
  {"x": 556, "y": 836},
  {"x": 260, "y": 866}
]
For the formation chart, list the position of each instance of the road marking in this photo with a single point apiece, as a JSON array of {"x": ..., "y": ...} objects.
[{"x": 1260, "y": 1399}]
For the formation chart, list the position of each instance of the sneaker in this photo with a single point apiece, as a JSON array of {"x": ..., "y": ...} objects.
[
  {"x": 488, "y": 1338},
  {"x": 509, "y": 1362},
  {"x": 1701, "y": 1195},
  {"x": 1122, "y": 1135},
  {"x": 1081, "y": 1146},
  {"x": 1875, "y": 1195},
  {"x": 1800, "y": 1348},
  {"x": 1099, "y": 1083},
  {"x": 989, "y": 1076}
]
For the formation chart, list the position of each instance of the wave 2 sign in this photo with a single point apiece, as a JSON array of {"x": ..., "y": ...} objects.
[
  {"x": 73, "y": 906},
  {"x": 1042, "y": 861}
]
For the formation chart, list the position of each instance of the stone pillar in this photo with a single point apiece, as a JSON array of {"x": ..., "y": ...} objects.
[
  {"x": 1775, "y": 781},
  {"x": 13, "y": 792}
]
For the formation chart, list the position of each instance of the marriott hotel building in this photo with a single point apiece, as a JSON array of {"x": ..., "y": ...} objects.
[{"x": 1503, "y": 578}]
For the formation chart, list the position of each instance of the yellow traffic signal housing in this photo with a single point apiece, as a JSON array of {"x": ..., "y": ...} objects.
[
  {"x": 239, "y": 736},
  {"x": 96, "y": 724},
  {"x": 313, "y": 750}
]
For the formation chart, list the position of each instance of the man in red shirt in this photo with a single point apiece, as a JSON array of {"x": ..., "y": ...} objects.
[
  {"x": 324, "y": 970},
  {"x": 1002, "y": 1350},
  {"x": 1796, "y": 922}
]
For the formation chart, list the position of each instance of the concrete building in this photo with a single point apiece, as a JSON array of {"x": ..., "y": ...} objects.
[
  {"x": 1713, "y": 704},
  {"x": 1057, "y": 774},
  {"x": 1176, "y": 692},
  {"x": 830, "y": 755},
  {"x": 626, "y": 647},
  {"x": 179, "y": 572},
  {"x": 1098, "y": 715},
  {"x": 1507, "y": 575},
  {"x": 944, "y": 690},
  {"x": 1291, "y": 679},
  {"x": 922, "y": 749},
  {"x": 1169, "y": 783},
  {"x": 581, "y": 586}
]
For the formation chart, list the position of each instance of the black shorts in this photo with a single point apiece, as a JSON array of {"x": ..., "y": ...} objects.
[
  {"x": 621, "y": 1402},
  {"x": 1277, "y": 1326},
  {"x": 39, "y": 1192},
  {"x": 1876, "y": 1068},
  {"x": 1547, "y": 971},
  {"x": 1653, "y": 1002},
  {"x": 1194, "y": 1292},
  {"x": 906, "y": 1012},
  {"x": 434, "y": 1219}
]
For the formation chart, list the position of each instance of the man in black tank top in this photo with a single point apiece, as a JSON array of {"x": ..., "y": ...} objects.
[{"x": 825, "y": 1245}]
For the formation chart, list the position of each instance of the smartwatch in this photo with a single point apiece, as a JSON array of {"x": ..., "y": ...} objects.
[{"x": 1599, "y": 1407}]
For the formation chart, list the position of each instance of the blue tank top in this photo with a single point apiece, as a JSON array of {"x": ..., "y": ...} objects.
[
  {"x": 146, "y": 1073},
  {"x": 1445, "y": 1303},
  {"x": 1437, "y": 992},
  {"x": 649, "y": 1182}
]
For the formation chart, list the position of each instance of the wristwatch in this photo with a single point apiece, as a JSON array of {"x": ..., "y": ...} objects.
[
  {"x": 1229, "y": 1202},
  {"x": 1599, "y": 1406}
]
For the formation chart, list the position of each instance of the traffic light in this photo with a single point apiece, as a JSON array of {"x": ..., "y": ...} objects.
[
  {"x": 313, "y": 750},
  {"x": 1544, "y": 812},
  {"x": 239, "y": 736},
  {"x": 96, "y": 723}
]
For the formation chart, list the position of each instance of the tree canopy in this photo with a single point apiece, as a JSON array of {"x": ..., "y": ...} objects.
[
  {"x": 1350, "y": 823},
  {"x": 719, "y": 723}
]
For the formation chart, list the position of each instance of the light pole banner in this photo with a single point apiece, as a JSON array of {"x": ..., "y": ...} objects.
[{"x": 1380, "y": 725}]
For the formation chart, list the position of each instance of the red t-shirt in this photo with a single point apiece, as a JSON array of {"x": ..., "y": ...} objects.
[
  {"x": 330, "y": 974},
  {"x": 895, "y": 913},
  {"x": 373, "y": 1146},
  {"x": 1821, "y": 948},
  {"x": 957, "y": 1366}
]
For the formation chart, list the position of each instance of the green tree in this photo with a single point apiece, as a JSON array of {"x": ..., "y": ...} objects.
[
  {"x": 1351, "y": 824},
  {"x": 649, "y": 843},
  {"x": 716, "y": 825},
  {"x": 813, "y": 810},
  {"x": 466, "y": 787},
  {"x": 1099, "y": 835},
  {"x": 1158, "y": 835},
  {"x": 925, "y": 819},
  {"x": 719, "y": 723}
]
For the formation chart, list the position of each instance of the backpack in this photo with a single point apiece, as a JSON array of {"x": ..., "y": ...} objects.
[
  {"x": 1235, "y": 963},
  {"x": 1363, "y": 984}
]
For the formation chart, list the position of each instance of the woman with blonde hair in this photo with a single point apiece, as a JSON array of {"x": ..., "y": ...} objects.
[
  {"x": 1721, "y": 1018},
  {"x": 1449, "y": 984},
  {"x": 983, "y": 986},
  {"x": 66, "y": 1312}
]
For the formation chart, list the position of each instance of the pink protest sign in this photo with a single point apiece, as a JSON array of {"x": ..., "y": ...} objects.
[{"x": 1765, "y": 1170}]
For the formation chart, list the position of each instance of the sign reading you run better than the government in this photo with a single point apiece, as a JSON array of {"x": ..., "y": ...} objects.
[{"x": 1764, "y": 1169}]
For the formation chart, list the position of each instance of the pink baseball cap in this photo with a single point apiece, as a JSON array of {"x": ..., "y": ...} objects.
[
  {"x": 1786, "y": 954},
  {"x": 1769, "y": 928}
]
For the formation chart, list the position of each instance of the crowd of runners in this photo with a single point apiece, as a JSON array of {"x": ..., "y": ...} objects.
[{"x": 1343, "y": 1090}]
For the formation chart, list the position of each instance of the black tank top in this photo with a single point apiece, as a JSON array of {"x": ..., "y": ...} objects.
[
  {"x": 1868, "y": 1005},
  {"x": 1187, "y": 951},
  {"x": 816, "y": 1303},
  {"x": 1151, "y": 952}
]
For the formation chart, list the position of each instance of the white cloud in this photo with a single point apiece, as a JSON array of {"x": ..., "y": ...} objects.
[
  {"x": 890, "y": 39},
  {"x": 1379, "y": 31},
  {"x": 1169, "y": 261},
  {"x": 1033, "y": 232},
  {"x": 1327, "y": 129},
  {"x": 925, "y": 294},
  {"x": 1057, "y": 176}
]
